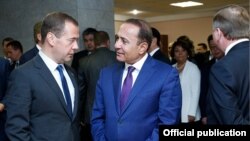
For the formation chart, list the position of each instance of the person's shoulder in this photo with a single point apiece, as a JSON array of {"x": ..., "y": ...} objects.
[
  {"x": 191, "y": 64},
  {"x": 35, "y": 62},
  {"x": 100, "y": 56},
  {"x": 34, "y": 49},
  {"x": 3, "y": 60},
  {"x": 68, "y": 68},
  {"x": 113, "y": 67},
  {"x": 162, "y": 69},
  {"x": 25, "y": 70},
  {"x": 104, "y": 50},
  {"x": 81, "y": 53},
  {"x": 161, "y": 64},
  {"x": 29, "y": 54},
  {"x": 27, "y": 65},
  {"x": 4, "y": 65}
]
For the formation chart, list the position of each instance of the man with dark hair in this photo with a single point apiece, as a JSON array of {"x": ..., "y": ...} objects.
[
  {"x": 202, "y": 55},
  {"x": 202, "y": 48},
  {"x": 129, "y": 105},
  {"x": 217, "y": 54},
  {"x": 89, "y": 71},
  {"x": 154, "y": 50},
  {"x": 88, "y": 41},
  {"x": 42, "y": 96},
  {"x": 4, "y": 73},
  {"x": 14, "y": 52},
  {"x": 5, "y": 41},
  {"x": 37, "y": 38}
]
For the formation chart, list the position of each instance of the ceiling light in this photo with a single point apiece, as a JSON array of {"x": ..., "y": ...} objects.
[
  {"x": 186, "y": 4},
  {"x": 135, "y": 12}
]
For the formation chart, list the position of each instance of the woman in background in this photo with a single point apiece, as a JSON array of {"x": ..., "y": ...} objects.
[{"x": 190, "y": 82}]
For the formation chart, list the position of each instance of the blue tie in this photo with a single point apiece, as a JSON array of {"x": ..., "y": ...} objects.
[
  {"x": 127, "y": 86},
  {"x": 65, "y": 89}
]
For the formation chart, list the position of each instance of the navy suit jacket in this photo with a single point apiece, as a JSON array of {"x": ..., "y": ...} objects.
[
  {"x": 154, "y": 99},
  {"x": 205, "y": 69},
  {"x": 89, "y": 71},
  {"x": 228, "y": 97},
  {"x": 36, "y": 106},
  {"x": 28, "y": 55},
  {"x": 4, "y": 73},
  {"x": 76, "y": 59},
  {"x": 160, "y": 56}
]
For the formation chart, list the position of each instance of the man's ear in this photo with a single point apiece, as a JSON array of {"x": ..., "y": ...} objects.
[
  {"x": 143, "y": 47},
  {"x": 219, "y": 33},
  {"x": 51, "y": 38},
  {"x": 39, "y": 36},
  {"x": 154, "y": 41}
]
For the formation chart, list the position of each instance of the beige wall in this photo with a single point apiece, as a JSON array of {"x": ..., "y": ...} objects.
[
  {"x": 197, "y": 29},
  {"x": 117, "y": 25}
]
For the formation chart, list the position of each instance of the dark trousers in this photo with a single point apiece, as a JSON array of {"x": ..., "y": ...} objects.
[
  {"x": 3, "y": 136},
  {"x": 85, "y": 132}
]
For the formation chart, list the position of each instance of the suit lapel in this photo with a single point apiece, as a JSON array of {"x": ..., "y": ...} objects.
[
  {"x": 117, "y": 75},
  {"x": 73, "y": 79},
  {"x": 49, "y": 78},
  {"x": 143, "y": 77}
]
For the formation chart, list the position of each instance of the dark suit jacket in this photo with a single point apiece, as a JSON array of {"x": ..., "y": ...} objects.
[
  {"x": 28, "y": 55},
  {"x": 201, "y": 58},
  {"x": 90, "y": 68},
  {"x": 160, "y": 56},
  {"x": 4, "y": 73},
  {"x": 228, "y": 97},
  {"x": 149, "y": 104},
  {"x": 76, "y": 58},
  {"x": 205, "y": 69},
  {"x": 36, "y": 106}
]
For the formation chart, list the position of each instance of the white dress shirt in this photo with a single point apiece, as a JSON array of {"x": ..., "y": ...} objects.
[
  {"x": 138, "y": 65},
  {"x": 52, "y": 67}
]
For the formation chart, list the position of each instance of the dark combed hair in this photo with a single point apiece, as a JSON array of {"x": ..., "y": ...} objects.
[
  {"x": 16, "y": 45},
  {"x": 101, "y": 37},
  {"x": 157, "y": 35},
  {"x": 209, "y": 38},
  {"x": 145, "y": 33},
  {"x": 37, "y": 30},
  {"x": 184, "y": 44},
  {"x": 55, "y": 22},
  {"x": 204, "y": 46},
  {"x": 88, "y": 31},
  {"x": 7, "y": 39}
]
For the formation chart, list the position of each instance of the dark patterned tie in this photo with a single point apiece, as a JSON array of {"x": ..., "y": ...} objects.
[
  {"x": 65, "y": 89},
  {"x": 127, "y": 86}
]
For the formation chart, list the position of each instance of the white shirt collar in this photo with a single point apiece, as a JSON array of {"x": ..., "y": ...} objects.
[
  {"x": 138, "y": 65},
  {"x": 38, "y": 47},
  {"x": 234, "y": 43},
  {"x": 153, "y": 51},
  {"x": 52, "y": 65}
]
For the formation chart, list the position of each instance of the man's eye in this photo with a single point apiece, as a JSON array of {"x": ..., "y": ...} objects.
[
  {"x": 124, "y": 41},
  {"x": 71, "y": 41},
  {"x": 116, "y": 38}
]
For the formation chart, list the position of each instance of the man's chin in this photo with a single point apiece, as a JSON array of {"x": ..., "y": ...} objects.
[
  {"x": 119, "y": 58},
  {"x": 68, "y": 58}
]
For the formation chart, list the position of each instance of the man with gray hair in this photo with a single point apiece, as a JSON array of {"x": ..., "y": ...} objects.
[{"x": 228, "y": 96}]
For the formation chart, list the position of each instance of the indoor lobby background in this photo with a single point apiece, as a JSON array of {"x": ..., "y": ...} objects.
[{"x": 17, "y": 18}]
